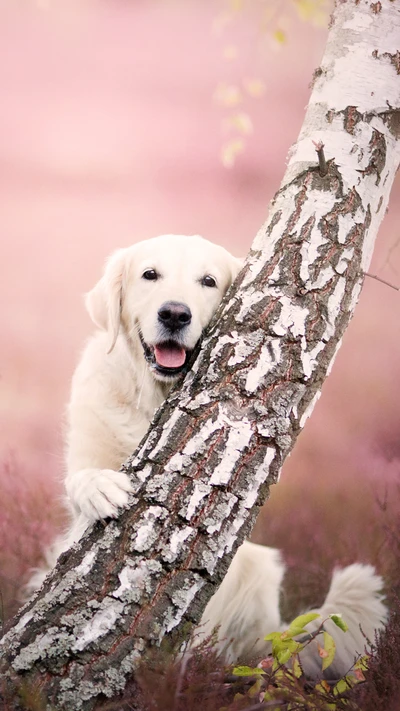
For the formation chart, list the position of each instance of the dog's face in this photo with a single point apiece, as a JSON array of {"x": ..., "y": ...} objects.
[{"x": 163, "y": 292}]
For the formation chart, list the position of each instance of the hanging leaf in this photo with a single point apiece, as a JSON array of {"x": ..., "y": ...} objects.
[
  {"x": 236, "y": 5},
  {"x": 339, "y": 622},
  {"x": 228, "y": 95},
  {"x": 297, "y": 626},
  {"x": 362, "y": 663},
  {"x": 314, "y": 11},
  {"x": 255, "y": 688},
  {"x": 323, "y": 686},
  {"x": 247, "y": 671},
  {"x": 296, "y": 668},
  {"x": 254, "y": 87},
  {"x": 279, "y": 36},
  {"x": 230, "y": 152},
  {"x": 241, "y": 122},
  {"x": 328, "y": 651},
  {"x": 283, "y": 655}
]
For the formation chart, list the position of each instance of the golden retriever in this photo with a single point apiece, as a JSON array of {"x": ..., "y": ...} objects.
[{"x": 151, "y": 307}]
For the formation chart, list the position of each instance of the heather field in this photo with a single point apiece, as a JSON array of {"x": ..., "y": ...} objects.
[{"x": 110, "y": 133}]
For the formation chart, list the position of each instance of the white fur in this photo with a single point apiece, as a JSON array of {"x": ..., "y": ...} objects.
[
  {"x": 115, "y": 392},
  {"x": 246, "y": 605},
  {"x": 355, "y": 594}
]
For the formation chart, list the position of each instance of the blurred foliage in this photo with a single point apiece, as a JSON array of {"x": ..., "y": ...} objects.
[
  {"x": 168, "y": 681},
  {"x": 273, "y": 21}
]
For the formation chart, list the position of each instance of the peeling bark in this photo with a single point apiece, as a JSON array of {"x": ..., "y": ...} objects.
[{"x": 217, "y": 444}]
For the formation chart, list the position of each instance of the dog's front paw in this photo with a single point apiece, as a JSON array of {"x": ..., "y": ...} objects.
[{"x": 98, "y": 493}]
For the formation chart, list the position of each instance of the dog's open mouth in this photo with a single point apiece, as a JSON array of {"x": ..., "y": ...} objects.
[{"x": 168, "y": 358}]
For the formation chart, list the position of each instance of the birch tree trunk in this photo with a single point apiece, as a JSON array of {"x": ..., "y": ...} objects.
[{"x": 214, "y": 448}]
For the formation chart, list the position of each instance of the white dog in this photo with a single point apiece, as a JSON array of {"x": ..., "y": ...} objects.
[{"x": 151, "y": 307}]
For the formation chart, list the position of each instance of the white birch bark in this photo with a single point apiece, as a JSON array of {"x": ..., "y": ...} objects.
[{"x": 214, "y": 448}]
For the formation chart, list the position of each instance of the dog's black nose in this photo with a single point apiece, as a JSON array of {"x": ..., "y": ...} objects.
[{"x": 174, "y": 315}]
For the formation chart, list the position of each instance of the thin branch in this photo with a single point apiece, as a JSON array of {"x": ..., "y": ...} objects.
[
  {"x": 390, "y": 251},
  {"x": 383, "y": 281}
]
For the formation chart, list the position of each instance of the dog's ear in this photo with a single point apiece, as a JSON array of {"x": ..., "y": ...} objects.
[{"x": 104, "y": 301}]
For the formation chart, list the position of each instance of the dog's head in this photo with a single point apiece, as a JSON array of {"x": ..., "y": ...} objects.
[{"x": 162, "y": 293}]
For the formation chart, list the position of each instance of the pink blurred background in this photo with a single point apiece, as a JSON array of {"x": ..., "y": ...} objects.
[{"x": 109, "y": 133}]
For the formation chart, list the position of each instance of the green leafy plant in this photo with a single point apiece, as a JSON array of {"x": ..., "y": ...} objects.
[{"x": 279, "y": 681}]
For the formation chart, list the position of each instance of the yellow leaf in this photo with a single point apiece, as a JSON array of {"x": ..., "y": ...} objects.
[
  {"x": 340, "y": 687},
  {"x": 255, "y": 688},
  {"x": 242, "y": 123},
  {"x": 230, "y": 152},
  {"x": 238, "y": 697},
  {"x": 228, "y": 95},
  {"x": 255, "y": 87},
  {"x": 339, "y": 621},
  {"x": 314, "y": 11},
  {"x": 323, "y": 686},
  {"x": 236, "y": 5},
  {"x": 297, "y": 625},
  {"x": 329, "y": 651},
  {"x": 362, "y": 663},
  {"x": 279, "y": 36},
  {"x": 305, "y": 8},
  {"x": 296, "y": 668},
  {"x": 247, "y": 671}
]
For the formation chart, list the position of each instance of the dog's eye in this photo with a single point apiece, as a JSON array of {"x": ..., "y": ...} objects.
[
  {"x": 208, "y": 281},
  {"x": 150, "y": 275}
]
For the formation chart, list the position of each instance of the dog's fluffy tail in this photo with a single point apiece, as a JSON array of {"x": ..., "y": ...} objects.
[
  {"x": 355, "y": 594},
  {"x": 246, "y": 607}
]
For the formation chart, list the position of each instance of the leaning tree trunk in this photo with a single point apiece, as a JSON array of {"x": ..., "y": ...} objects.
[{"x": 214, "y": 448}]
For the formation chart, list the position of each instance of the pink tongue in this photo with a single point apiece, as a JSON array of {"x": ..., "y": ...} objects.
[{"x": 170, "y": 356}]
